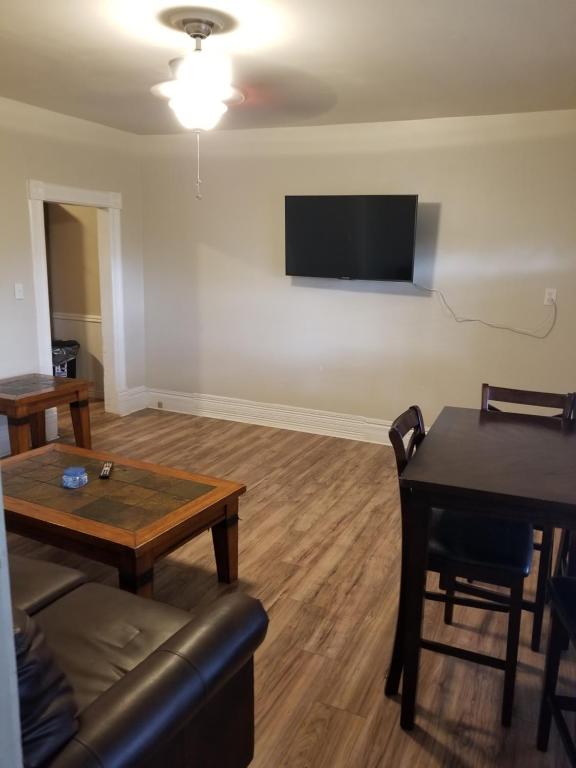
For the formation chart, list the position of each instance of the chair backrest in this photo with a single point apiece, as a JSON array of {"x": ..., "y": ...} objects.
[
  {"x": 565, "y": 403},
  {"x": 410, "y": 421}
]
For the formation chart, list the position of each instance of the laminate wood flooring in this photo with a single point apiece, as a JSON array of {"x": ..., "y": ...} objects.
[{"x": 319, "y": 545}]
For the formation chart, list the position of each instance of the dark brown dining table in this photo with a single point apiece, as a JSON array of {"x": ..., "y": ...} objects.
[{"x": 515, "y": 466}]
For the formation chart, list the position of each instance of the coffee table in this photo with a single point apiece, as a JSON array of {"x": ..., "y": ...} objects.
[
  {"x": 139, "y": 515},
  {"x": 24, "y": 399}
]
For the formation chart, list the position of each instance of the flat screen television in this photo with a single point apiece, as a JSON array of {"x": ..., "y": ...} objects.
[{"x": 351, "y": 237}]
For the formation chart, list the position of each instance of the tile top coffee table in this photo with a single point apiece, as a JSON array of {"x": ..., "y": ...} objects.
[
  {"x": 139, "y": 515},
  {"x": 24, "y": 399}
]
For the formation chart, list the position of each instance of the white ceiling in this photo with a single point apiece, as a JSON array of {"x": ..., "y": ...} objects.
[{"x": 299, "y": 62}]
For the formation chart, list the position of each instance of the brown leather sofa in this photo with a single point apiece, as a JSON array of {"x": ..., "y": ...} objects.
[{"x": 153, "y": 685}]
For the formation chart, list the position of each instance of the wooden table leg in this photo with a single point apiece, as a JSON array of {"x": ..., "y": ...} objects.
[
  {"x": 137, "y": 578},
  {"x": 38, "y": 429},
  {"x": 19, "y": 432},
  {"x": 397, "y": 659},
  {"x": 556, "y": 642},
  {"x": 566, "y": 566},
  {"x": 80, "y": 413},
  {"x": 415, "y": 525},
  {"x": 225, "y": 540}
]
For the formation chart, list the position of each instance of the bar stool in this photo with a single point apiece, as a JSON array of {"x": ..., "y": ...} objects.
[
  {"x": 562, "y": 593},
  {"x": 565, "y": 405},
  {"x": 464, "y": 546}
]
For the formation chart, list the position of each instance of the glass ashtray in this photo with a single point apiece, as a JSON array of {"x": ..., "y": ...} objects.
[{"x": 74, "y": 477}]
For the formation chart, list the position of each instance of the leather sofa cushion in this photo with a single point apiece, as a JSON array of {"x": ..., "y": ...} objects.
[
  {"x": 47, "y": 706},
  {"x": 35, "y": 583},
  {"x": 99, "y": 633}
]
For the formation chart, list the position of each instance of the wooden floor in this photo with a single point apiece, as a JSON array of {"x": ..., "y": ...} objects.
[{"x": 319, "y": 545}]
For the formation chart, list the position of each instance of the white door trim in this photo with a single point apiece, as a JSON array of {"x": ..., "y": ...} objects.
[
  {"x": 57, "y": 193},
  {"x": 109, "y": 206},
  {"x": 112, "y": 306}
]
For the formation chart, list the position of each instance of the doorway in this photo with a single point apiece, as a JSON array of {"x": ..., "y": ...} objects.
[
  {"x": 108, "y": 208},
  {"x": 74, "y": 293}
]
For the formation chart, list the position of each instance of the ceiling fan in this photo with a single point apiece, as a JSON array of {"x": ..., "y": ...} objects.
[
  {"x": 262, "y": 91},
  {"x": 201, "y": 88}
]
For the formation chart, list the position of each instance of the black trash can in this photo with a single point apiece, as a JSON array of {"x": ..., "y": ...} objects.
[{"x": 64, "y": 354}]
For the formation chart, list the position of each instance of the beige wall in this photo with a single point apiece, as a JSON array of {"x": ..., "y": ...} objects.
[
  {"x": 496, "y": 227},
  {"x": 72, "y": 251},
  {"x": 37, "y": 144}
]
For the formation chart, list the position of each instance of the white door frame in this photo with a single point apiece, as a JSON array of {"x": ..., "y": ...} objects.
[{"x": 109, "y": 205}]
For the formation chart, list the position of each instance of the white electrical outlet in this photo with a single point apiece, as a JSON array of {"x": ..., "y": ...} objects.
[{"x": 550, "y": 296}]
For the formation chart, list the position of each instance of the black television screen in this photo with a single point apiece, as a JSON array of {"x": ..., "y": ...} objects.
[{"x": 352, "y": 237}]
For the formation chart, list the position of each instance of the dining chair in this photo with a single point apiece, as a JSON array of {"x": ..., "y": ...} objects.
[
  {"x": 563, "y": 627},
  {"x": 565, "y": 405},
  {"x": 464, "y": 546}
]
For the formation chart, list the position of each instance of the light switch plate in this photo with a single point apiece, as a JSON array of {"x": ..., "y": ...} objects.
[{"x": 18, "y": 290}]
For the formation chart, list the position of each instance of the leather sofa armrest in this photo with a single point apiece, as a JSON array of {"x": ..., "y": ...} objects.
[{"x": 153, "y": 701}]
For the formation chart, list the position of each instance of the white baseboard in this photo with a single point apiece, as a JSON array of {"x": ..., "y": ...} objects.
[
  {"x": 131, "y": 400},
  {"x": 51, "y": 430},
  {"x": 316, "y": 422},
  {"x": 4, "y": 438},
  {"x": 51, "y": 424},
  {"x": 273, "y": 415}
]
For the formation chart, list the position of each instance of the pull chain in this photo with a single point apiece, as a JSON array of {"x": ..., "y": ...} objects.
[{"x": 198, "y": 179}]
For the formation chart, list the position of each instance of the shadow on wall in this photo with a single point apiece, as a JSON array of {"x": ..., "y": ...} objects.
[
  {"x": 65, "y": 275},
  {"x": 425, "y": 252},
  {"x": 426, "y": 243},
  {"x": 91, "y": 368}
]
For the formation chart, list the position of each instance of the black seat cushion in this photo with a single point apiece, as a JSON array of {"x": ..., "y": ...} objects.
[
  {"x": 35, "y": 583},
  {"x": 99, "y": 633},
  {"x": 458, "y": 537},
  {"x": 47, "y": 706},
  {"x": 562, "y": 592}
]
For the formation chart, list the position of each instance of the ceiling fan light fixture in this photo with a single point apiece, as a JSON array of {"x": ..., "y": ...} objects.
[
  {"x": 202, "y": 83},
  {"x": 204, "y": 72},
  {"x": 197, "y": 115}
]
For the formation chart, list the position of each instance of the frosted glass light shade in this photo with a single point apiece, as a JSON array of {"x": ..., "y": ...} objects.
[
  {"x": 204, "y": 71},
  {"x": 202, "y": 83},
  {"x": 197, "y": 114}
]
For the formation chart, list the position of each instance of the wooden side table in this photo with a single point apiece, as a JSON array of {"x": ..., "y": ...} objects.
[{"x": 24, "y": 399}]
